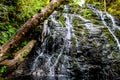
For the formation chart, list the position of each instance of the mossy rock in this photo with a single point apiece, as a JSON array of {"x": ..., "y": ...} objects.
[
  {"x": 61, "y": 19},
  {"x": 117, "y": 32},
  {"x": 85, "y": 12},
  {"x": 76, "y": 21},
  {"x": 116, "y": 67},
  {"x": 74, "y": 9},
  {"x": 109, "y": 36}
]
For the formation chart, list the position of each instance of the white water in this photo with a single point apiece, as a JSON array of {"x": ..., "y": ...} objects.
[
  {"x": 52, "y": 72},
  {"x": 115, "y": 38},
  {"x": 40, "y": 53},
  {"x": 81, "y": 3},
  {"x": 113, "y": 20},
  {"x": 68, "y": 26},
  {"x": 111, "y": 29}
]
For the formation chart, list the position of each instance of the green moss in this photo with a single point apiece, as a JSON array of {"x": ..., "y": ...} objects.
[
  {"x": 116, "y": 66},
  {"x": 109, "y": 36},
  {"x": 87, "y": 13},
  {"x": 117, "y": 32},
  {"x": 95, "y": 43},
  {"x": 76, "y": 21},
  {"x": 74, "y": 9},
  {"x": 94, "y": 21},
  {"x": 73, "y": 42},
  {"x": 78, "y": 33},
  {"x": 86, "y": 32},
  {"x": 62, "y": 20},
  {"x": 24, "y": 54}
]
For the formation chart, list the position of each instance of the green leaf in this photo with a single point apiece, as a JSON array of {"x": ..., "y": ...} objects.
[
  {"x": 3, "y": 69},
  {"x": 12, "y": 30},
  {"x": 4, "y": 34}
]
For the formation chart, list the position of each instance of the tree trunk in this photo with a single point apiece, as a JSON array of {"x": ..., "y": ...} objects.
[{"x": 20, "y": 55}]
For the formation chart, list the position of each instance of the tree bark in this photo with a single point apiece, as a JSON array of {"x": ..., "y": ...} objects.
[
  {"x": 20, "y": 55},
  {"x": 38, "y": 18}
]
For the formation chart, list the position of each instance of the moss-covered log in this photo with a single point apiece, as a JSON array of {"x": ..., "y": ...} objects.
[{"x": 20, "y": 55}]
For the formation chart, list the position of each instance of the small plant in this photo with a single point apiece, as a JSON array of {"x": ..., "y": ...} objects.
[
  {"x": 3, "y": 69},
  {"x": 7, "y": 33},
  {"x": 86, "y": 12}
]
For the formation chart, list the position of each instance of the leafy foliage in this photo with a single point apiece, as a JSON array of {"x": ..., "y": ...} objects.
[
  {"x": 7, "y": 33},
  {"x": 86, "y": 12},
  {"x": 3, "y": 69},
  {"x": 29, "y": 7},
  {"x": 14, "y": 13}
]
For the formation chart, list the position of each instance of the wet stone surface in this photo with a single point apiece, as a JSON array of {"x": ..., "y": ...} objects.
[{"x": 76, "y": 48}]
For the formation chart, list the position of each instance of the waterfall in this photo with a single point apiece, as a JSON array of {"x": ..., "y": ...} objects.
[{"x": 76, "y": 48}]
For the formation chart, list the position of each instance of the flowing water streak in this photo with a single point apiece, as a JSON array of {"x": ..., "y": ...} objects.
[
  {"x": 89, "y": 25},
  {"x": 102, "y": 16},
  {"x": 113, "y": 20},
  {"x": 40, "y": 52},
  {"x": 81, "y": 3},
  {"x": 53, "y": 17},
  {"x": 48, "y": 63},
  {"x": 67, "y": 44},
  {"x": 52, "y": 68},
  {"x": 116, "y": 39},
  {"x": 68, "y": 26}
]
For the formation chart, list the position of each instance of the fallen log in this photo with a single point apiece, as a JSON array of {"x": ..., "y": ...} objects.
[{"x": 20, "y": 55}]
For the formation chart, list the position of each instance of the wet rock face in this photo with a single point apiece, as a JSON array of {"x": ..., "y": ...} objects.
[{"x": 76, "y": 48}]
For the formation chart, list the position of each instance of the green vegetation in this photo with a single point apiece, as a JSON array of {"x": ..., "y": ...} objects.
[
  {"x": 7, "y": 33},
  {"x": 3, "y": 69},
  {"x": 62, "y": 20},
  {"x": 86, "y": 12},
  {"x": 30, "y": 7},
  {"x": 14, "y": 13},
  {"x": 73, "y": 42}
]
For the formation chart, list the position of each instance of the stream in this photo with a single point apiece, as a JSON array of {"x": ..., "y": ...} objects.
[{"x": 76, "y": 47}]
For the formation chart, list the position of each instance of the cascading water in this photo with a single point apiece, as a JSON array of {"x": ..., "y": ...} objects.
[
  {"x": 111, "y": 27},
  {"x": 52, "y": 59},
  {"x": 75, "y": 48}
]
